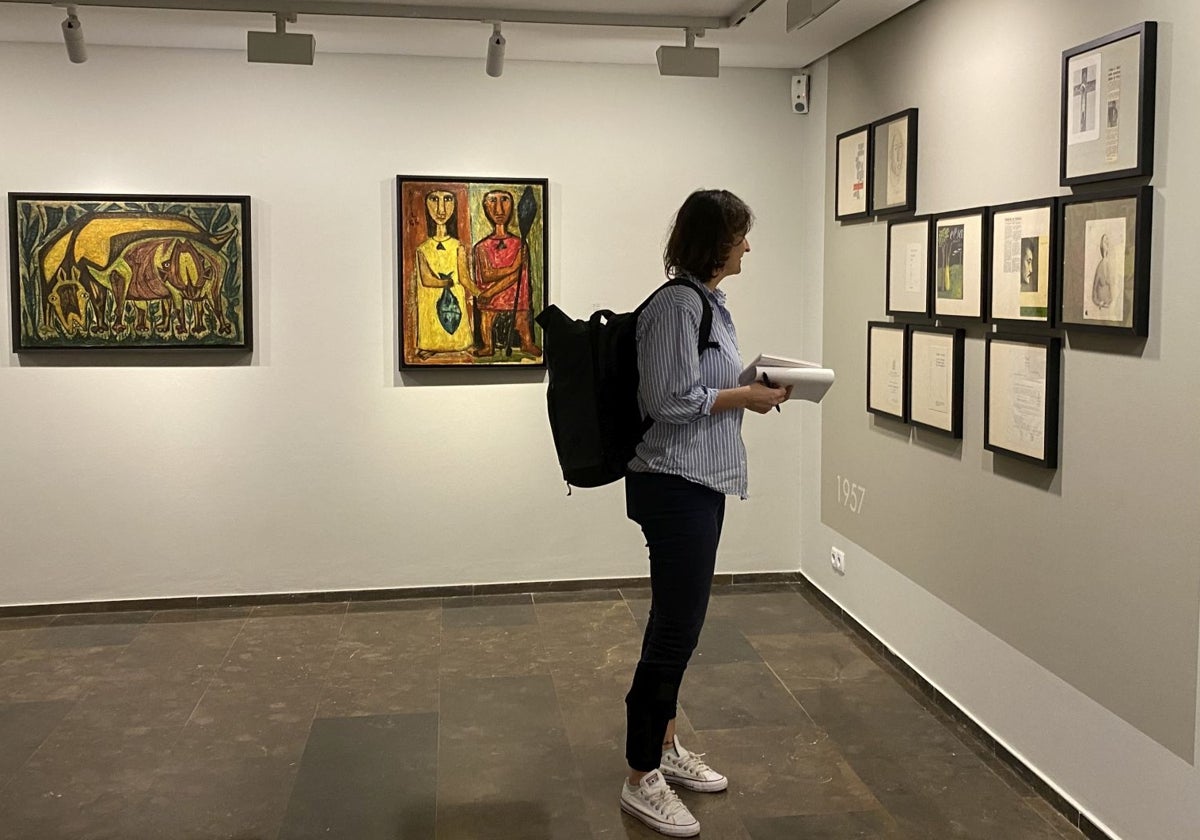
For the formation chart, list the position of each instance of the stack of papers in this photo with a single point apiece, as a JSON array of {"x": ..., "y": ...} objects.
[{"x": 809, "y": 380}]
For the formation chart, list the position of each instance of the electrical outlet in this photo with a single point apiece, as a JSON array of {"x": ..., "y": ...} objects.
[{"x": 837, "y": 559}]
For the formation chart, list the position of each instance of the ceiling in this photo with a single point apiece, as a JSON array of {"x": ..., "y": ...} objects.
[{"x": 760, "y": 41}]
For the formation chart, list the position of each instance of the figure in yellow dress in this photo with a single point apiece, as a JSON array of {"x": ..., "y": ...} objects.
[{"x": 442, "y": 281}]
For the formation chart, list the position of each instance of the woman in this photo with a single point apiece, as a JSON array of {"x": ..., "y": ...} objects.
[
  {"x": 688, "y": 461},
  {"x": 442, "y": 280}
]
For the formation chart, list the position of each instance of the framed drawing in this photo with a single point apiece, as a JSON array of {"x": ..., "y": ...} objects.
[
  {"x": 851, "y": 174},
  {"x": 473, "y": 270},
  {"x": 1105, "y": 267},
  {"x": 129, "y": 271},
  {"x": 894, "y": 163},
  {"x": 1021, "y": 397},
  {"x": 1023, "y": 274},
  {"x": 887, "y": 369},
  {"x": 935, "y": 392},
  {"x": 908, "y": 267},
  {"x": 1107, "y": 127},
  {"x": 960, "y": 264}
]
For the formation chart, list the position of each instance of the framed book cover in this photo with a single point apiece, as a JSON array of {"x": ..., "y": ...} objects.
[
  {"x": 935, "y": 377},
  {"x": 894, "y": 163},
  {"x": 1021, "y": 397},
  {"x": 887, "y": 369},
  {"x": 908, "y": 267},
  {"x": 961, "y": 263},
  {"x": 1024, "y": 272},
  {"x": 852, "y": 168}
]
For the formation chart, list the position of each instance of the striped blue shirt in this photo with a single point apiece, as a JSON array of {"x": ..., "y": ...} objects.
[{"x": 678, "y": 387}]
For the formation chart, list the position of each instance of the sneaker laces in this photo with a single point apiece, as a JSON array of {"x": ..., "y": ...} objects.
[
  {"x": 667, "y": 802},
  {"x": 692, "y": 763}
]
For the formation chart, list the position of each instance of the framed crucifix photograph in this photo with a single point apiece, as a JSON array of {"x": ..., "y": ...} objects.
[
  {"x": 1106, "y": 261},
  {"x": 908, "y": 267},
  {"x": 1107, "y": 123},
  {"x": 960, "y": 264},
  {"x": 894, "y": 163},
  {"x": 1023, "y": 273},
  {"x": 935, "y": 390},
  {"x": 887, "y": 369},
  {"x": 852, "y": 175},
  {"x": 1021, "y": 397}
]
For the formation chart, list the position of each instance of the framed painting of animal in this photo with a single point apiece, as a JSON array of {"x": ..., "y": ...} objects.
[
  {"x": 473, "y": 266},
  {"x": 95, "y": 271}
]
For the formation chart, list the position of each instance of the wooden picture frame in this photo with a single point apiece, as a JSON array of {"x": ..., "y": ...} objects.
[
  {"x": 894, "y": 163},
  {"x": 935, "y": 377},
  {"x": 474, "y": 268},
  {"x": 909, "y": 267},
  {"x": 1021, "y": 397},
  {"x": 887, "y": 369},
  {"x": 1023, "y": 270},
  {"x": 93, "y": 271},
  {"x": 961, "y": 263},
  {"x": 852, "y": 174}
]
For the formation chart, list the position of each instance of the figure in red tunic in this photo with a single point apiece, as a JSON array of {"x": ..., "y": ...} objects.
[{"x": 501, "y": 268}]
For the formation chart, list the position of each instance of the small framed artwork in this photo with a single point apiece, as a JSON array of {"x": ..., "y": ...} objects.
[
  {"x": 852, "y": 173},
  {"x": 935, "y": 392},
  {"x": 908, "y": 267},
  {"x": 887, "y": 369},
  {"x": 118, "y": 272},
  {"x": 1021, "y": 397},
  {"x": 1105, "y": 267},
  {"x": 1024, "y": 275},
  {"x": 960, "y": 264},
  {"x": 1107, "y": 128},
  {"x": 894, "y": 163},
  {"x": 473, "y": 271}
]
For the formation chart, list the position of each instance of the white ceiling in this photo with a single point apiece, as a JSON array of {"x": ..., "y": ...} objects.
[{"x": 761, "y": 41}]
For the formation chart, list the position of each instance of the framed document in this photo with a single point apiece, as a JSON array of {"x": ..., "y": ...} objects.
[
  {"x": 887, "y": 369},
  {"x": 935, "y": 390},
  {"x": 1021, "y": 397},
  {"x": 1106, "y": 261},
  {"x": 1107, "y": 128},
  {"x": 908, "y": 267},
  {"x": 960, "y": 264},
  {"x": 1023, "y": 268},
  {"x": 852, "y": 173},
  {"x": 894, "y": 163}
]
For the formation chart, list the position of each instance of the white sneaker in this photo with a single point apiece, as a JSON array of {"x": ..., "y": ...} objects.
[
  {"x": 685, "y": 769},
  {"x": 655, "y": 804}
]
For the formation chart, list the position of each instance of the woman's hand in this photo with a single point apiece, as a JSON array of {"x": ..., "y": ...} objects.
[{"x": 762, "y": 398}]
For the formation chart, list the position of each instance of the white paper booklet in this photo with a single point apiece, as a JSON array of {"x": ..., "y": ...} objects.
[{"x": 809, "y": 380}]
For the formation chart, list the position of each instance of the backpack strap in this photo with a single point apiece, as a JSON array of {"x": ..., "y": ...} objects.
[{"x": 705, "y": 333}]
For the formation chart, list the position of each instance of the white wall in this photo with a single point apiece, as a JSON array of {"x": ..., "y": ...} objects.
[{"x": 313, "y": 465}]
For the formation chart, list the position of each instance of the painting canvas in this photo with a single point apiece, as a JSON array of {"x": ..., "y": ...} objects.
[
  {"x": 129, "y": 271},
  {"x": 473, "y": 271}
]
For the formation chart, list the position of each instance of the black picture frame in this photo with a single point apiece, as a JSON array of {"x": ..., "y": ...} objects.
[
  {"x": 925, "y": 400},
  {"x": 130, "y": 272},
  {"x": 909, "y": 253},
  {"x": 897, "y": 382},
  {"x": 852, "y": 150},
  {"x": 1021, "y": 297},
  {"x": 1087, "y": 297},
  {"x": 894, "y": 163},
  {"x": 1094, "y": 142},
  {"x": 1000, "y": 380},
  {"x": 967, "y": 299}
]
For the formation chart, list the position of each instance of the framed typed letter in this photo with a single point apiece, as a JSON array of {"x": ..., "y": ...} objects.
[
  {"x": 1021, "y": 394},
  {"x": 935, "y": 394},
  {"x": 894, "y": 163},
  {"x": 851, "y": 198},
  {"x": 473, "y": 271},
  {"x": 908, "y": 267},
  {"x": 960, "y": 264},
  {"x": 1107, "y": 126},
  {"x": 1106, "y": 261},
  {"x": 887, "y": 371},
  {"x": 1023, "y": 269},
  {"x": 129, "y": 271}
]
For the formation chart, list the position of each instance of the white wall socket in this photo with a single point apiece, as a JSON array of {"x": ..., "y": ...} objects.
[{"x": 837, "y": 559}]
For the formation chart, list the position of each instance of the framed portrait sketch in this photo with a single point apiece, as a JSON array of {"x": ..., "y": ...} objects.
[
  {"x": 1023, "y": 274},
  {"x": 1106, "y": 261},
  {"x": 129, "y": 271},
  {"x": 908, "y": 267},
  {"x": 935, "y": 392},
  {"x": 894, "y": 163},
  {"x": 1021, "y": 397},
  {"x": 960, "y": 264},
  {"x": 851, "y": 175},
  {"x": 887, "y": 369},
  {"x": 1107, "y": 128},
  {"x": 473, "y": 271}
]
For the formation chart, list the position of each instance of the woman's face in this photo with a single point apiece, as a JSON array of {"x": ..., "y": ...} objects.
[
  {"x": 440, "y": 205},
  {"x": 733, "y": 263}
]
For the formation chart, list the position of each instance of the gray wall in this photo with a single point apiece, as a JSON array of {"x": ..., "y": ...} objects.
[{"x": 1091, "y": 570}]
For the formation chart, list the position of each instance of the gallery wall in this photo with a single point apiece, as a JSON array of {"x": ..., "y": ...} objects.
[
  {"x": 1061, "y": 608},
  {"x": 312, "y": 464}
]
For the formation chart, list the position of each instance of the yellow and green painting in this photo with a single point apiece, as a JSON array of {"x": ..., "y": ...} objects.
[{"x": 93, "y": 271}]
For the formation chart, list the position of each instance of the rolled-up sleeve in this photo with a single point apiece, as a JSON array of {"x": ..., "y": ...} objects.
[{"x": 669, "y": 384}]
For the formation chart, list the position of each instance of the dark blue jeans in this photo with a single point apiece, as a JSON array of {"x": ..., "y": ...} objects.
[{"x": 682, "y": 524}]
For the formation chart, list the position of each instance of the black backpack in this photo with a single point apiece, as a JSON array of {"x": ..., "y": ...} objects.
[{"x": 592, "y": 395}]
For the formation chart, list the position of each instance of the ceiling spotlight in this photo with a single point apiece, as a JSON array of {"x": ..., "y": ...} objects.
[
  {"x": 73, "y": 37},
  {"x": 280, "y": 46},
  {"x": 495, "y": 53},
  {"x": 690, "y": 60}
]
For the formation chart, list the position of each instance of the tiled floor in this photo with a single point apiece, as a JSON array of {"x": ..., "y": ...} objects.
[{"x": 494, "y": 718}]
